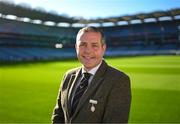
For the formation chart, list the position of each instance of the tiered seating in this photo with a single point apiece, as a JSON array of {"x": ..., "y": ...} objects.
[
  {"x": 33, "y": 54},
  {"x": 11, "y": 26},
  {"x": 20, "y": 41}
]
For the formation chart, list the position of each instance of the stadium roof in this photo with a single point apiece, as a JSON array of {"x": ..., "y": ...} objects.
[
  {"x": 20, "y": 11},
  {"x": 157, "y": 14},
  {"x": 33, "y": 14}
]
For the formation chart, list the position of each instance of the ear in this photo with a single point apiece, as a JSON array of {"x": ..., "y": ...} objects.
[{"x": 104, "y": 47}]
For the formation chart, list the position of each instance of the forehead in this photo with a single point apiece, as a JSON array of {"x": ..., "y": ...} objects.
[{"x": 89, "y": 36}]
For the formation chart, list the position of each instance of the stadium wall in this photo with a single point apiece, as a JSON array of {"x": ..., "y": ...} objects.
[{"x": 22, "y": 41}]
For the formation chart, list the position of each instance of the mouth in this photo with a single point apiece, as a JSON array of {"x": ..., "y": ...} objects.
[{"x": 88, "y": 58}]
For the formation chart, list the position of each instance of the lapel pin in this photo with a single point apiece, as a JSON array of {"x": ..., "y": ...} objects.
[{"x": 93, "y": 102}]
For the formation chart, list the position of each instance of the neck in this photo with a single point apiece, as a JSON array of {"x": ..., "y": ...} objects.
[{"x": 91, "y": 69}]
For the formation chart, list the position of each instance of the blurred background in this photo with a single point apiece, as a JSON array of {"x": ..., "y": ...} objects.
[{"x": 37, "y": 41}]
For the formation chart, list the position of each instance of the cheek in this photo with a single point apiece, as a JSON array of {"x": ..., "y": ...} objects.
[
  {"x": 79, "y": 50},
  {"x": 99, "y": 53}
]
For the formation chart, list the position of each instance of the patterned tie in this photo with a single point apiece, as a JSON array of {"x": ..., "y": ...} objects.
[{"x": 80, "y": 90}]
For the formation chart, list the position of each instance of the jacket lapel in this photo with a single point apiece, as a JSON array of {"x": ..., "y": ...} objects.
[
  {"x": 98, "y": 77},
  {"x": 71, "y": 86}
]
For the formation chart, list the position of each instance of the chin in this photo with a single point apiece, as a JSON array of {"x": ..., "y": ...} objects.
[{"x": 88, "y": 66}]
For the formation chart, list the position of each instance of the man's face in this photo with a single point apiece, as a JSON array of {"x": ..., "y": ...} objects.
[{"x": 89, "y": 49}]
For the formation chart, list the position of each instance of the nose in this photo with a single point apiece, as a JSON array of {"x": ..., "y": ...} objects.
[{"x": 88, "y": 49}]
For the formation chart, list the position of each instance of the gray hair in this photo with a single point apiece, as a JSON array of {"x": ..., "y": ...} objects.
[{"x": 92, "y": 29}]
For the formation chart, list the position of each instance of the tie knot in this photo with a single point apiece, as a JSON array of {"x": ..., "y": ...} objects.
[{"x": 86, "y": 75}]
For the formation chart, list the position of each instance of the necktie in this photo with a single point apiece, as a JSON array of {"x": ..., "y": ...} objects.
[{"x": 80, "y": 90}]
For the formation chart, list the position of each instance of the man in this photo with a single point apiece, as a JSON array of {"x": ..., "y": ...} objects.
[{"x": 95, "y": 92}]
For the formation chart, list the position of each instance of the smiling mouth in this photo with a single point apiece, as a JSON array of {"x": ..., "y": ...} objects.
[{"x": 88, "y": 58}]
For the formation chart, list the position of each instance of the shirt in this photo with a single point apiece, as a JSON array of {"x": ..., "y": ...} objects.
[{"x": 92, "y": 72}]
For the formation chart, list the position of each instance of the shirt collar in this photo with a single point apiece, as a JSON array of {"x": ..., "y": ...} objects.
[{"x": 93, "y": 70}]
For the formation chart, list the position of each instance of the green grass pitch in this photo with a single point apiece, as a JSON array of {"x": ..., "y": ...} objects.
[{"x": 28, "y": 91}]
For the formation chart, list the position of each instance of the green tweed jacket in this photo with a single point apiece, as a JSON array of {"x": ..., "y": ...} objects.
[{"x": 107, "y": 99}]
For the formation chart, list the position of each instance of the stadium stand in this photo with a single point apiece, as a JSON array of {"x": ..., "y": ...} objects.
[{"x": 26, "y": 41}]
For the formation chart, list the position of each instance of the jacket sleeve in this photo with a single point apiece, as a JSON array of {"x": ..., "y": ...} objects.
[
  {"x": 58, "y": 115},
  {"x": 118, "y": 102}
]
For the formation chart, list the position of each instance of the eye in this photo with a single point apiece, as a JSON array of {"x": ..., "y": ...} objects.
[
  {"x": 94, "y": 45},
  {"x": 82, "y": 44}
]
